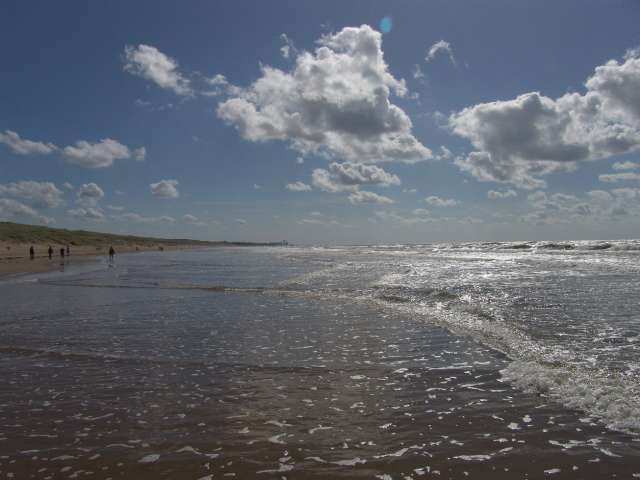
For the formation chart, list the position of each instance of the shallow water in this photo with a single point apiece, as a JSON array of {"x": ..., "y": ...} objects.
[{"x": 404, "y": 361}]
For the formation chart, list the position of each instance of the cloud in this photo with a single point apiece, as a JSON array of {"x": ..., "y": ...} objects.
[
  {"x": 441, "y": 202},
  {"x": 394, "y": 217},
  {"x": 139, "y": 154},
  {"x": 289, "y": 48},
  {"x": 68, "y": 185},
  {"x": 322, "y": 179},
  {"x": 97, "y": 155},
  {"x": 240, "y": 221},
  {"x": 12, "y": 209},
  {"x": 90, "y": 155},
  {"x": 418, "y": 74},
  {"x": 436, "y": 48},
  {"x": 312, "y": 221},
  {"x": 369, "y": 197},
  {"x": 619, "y": 177},
  {"x": 88, "y": 213},
  {"x": 495, "y": 195},
  {"x": 335, "y": 101},
  {"x": 349, "y": 173},
  {"x": 193, "y": 220},
  {"x": 445, "y": 153},
  {"x": 257, "y": 187},
  {"x": 23, "y": 146},
  {"x": 517, "y": 141},
  {"x": 317, "y": 218},
  {"x": 348, "y": 176},
  {"x": 597, "y": 206},
  {"x": 625, "y": 166},
  {"x": 38, "y": 194},
  {"x": 89, "y": 194},
  {"x": 150, "y": 63},
  {"x": 137, "y": 218},
  {"x": 165, "y": 189},
  {"x": 298, "y": 187},
  {"x": 220, "y": 86}
]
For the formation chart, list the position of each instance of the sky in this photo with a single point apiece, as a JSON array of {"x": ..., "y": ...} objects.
[{"x": 323, "y": 122}]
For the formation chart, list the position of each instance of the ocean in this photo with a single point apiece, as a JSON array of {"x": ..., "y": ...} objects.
[{"x": 466, "y": 360}]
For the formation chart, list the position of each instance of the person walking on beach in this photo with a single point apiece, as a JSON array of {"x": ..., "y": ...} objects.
[
  {"x": 68, "y": 251},
  {"x": 32, "y": 253},
  {"x": 62, "y": 256},
  {"x": 112, "y": 252},
  {"x": 50, "y": 252}
]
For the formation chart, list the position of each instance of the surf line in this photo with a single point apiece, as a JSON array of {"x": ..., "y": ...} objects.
[{"x": 214, "y": 288}]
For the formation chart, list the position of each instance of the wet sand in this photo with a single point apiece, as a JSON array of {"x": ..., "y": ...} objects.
[
  {"x": 146, "y": 381},
  {"x": 14, "y": 257}
]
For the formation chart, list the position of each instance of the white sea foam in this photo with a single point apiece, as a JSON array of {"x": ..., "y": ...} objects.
[
  {"x": 615, "y": 400},
  {"x": 474, "y": 458},
  {"x": 151, "y": 458},
  {"x": 350, "y": 462},
  {"x": 564, "y": 368}
]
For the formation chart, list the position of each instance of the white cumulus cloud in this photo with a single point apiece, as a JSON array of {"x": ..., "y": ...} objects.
[
  {"x": 625, "y": 166},
  {"x": 88, "y": 213},
  {"x": 89, "y": 155},
  {"x": 369, "y": 197},
  {"x": 89, "y": 194},
  {"x": 165, "y": 189},
  {"x": 150, "y": 63},
  {"x": 441, "y": 202},
  {"x": 96, "y": 155},
  {"x": 22, "y": 146},
  {"x": 139, "y": 154},
  {"x": 517, "y": 141},
  {"x": 193, "y": 220},
  {"x": 38, "y": 194},
  {"x": 137, "y": 218},
  {"x": 496, "y": 195},
  {"x": 597, "y": 206},
  {"x": 335, "y": 101},
  {"x": 348, "y": 176},
  {"x": 14, "y": 210},
  {"x": 298, "y": 187},
  {"x": 619, "y": 177},
  {"x": 440, "y": 46}
]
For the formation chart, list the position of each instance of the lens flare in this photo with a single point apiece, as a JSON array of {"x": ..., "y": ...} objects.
[{"x": 386, "y": 24}]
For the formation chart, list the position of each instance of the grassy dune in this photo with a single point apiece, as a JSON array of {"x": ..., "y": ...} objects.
[
  {"x": 22, "y": 234},
  {"x": 18, "y": 233}
]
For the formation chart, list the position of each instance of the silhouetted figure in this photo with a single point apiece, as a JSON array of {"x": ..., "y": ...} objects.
[
  {"x": 68, "y": 251},
  {"x": 112, "y": 252},
  {"x": 50, "y": 252},
  {"x": 32, "y": 253},
  {"x": 62, "y": 253}
]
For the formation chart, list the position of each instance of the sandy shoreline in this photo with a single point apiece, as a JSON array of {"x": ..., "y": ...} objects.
[{"x": 14, "y": 257}]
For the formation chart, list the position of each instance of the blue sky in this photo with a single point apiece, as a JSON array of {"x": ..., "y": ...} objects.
[{"x": 484, "y": 120}]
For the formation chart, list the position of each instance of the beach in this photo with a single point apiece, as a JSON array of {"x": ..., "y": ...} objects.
[
  {"x": 349, "y": 362},
  {"x": 15, "y": 260}
]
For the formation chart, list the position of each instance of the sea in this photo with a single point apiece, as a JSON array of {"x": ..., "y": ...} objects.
[{"x": 497, "y": 360}]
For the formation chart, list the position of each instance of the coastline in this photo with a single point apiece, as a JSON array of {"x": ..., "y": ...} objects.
[{"x": 14, "y": 257}]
